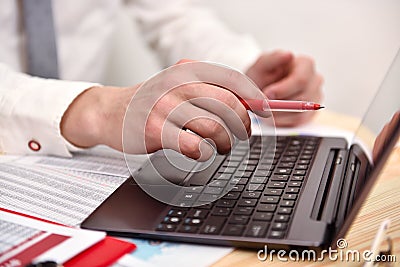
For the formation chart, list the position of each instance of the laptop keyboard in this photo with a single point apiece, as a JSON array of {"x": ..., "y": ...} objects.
[{"x": 263, "y": 199}]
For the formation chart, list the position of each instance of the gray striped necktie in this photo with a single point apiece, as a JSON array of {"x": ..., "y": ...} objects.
[{"x": 40, "y": 38}]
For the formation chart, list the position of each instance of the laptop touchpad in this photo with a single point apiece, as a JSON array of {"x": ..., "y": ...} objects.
[{"x": 168, "y": 164}]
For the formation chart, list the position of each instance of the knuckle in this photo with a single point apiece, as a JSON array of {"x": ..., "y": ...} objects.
[
  {"x": 307, "y": 59},
  {"x": 302, "y": 81},
  {"x": 230, "y": 99},
  {"x": 214, "y": 126}
]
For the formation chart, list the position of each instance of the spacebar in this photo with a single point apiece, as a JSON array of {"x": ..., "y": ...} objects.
[{"x": 202, "y": 177}]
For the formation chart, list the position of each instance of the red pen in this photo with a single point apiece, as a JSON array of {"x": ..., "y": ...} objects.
[{"x": 279, "y": 105}]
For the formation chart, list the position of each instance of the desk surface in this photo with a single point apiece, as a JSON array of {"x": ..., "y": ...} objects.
[{"x": 382, "y": 203}]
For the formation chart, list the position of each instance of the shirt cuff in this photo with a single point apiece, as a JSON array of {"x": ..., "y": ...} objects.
[{"x": 31, "y": 112}]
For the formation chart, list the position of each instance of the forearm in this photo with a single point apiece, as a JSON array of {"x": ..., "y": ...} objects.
[{"x": 183, "y": 29}]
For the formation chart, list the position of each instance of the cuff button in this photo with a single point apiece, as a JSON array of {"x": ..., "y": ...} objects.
[{"x": 34, "y": 145}]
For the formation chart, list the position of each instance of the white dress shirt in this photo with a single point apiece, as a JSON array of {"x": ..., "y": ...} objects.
[{"x": 31, "y": 108}]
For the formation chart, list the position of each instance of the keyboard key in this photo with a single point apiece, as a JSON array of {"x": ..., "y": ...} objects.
[
  {"x": 247, "y": 202},
  {"x": 280, "y": 178},
  {"x": 290, "y": 197},
  {"x": 262, "y": 173},
  {"x": 270, "y": 199},
  {"x": 294, "y": 184},
  {"x": 233, "y": 230},
  {"x": 234, "y": 158},
  {"x": 287, "y": 203},
  {"x": 262, "y": 216},
  {"x": 225, "y": 203},
  {"x": 208, "y": 197},
  {"x": 194, "y": 189},
  {"x": 250, "y": 162},
  {"x": 185, "y": 203},
  {"x": 213, "y": 225},
  {"x": 222, "y": 177},
  {"x": 289, "y": 159},
  {"x": 189, "y": 196},
  {"x": 206, "y": 206},
  {"x": 250, "y": 168},
  {"x": 279, "y": 226},
  {"x": 266, "y": 207},
  {"x": 243, "y": 211},
  {"x": 171, "y": 220},
  {"x": 257, "y": 229},
  {"x": 213, "y": 190},
  {"x": 282, "y": 218},
  {"x": 166, "y": 227},
  {"x": 239, "y": 181},
  {"x": 188, "y": 229},
  {"x": 276, "y": 234},
  {"x": 237, "y": 188},
  {"x": 218, "y": 183},
  {"x": 232, "y": 195},
  {"x": 255, "y": 187},
  {"x": 198, "y": 213},
  {"x": 232, "y": 164},
  {"x": 292, "y": 190},
  {"x": 284, "y": 211},
  {"x": 297, "y": 178},
  {"x": 283, "y": 171},
  {"x": 221, "y": 211},
  {"x": 176, "y": 213},
  {"x": 301, "y": 167},
  {"x": 273, "y": 192},
  {"x": 286, "y": 165},
  {"x": 307, "y": 152},
  {"x": 239, "y": 219},
  {"x": 255, "y": 195},
  {"x": 258, "y": 180},
  {"x": 227, "y": 170},
  {"x": 192, "y": 221},
  {"x": 292, "y": 153},
  {"x": 305, "y": 157},
  {"x": 299, "y": 172},
  {"x": 276, "y": 185}
]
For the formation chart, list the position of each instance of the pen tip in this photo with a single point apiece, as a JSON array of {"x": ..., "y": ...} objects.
[{"x": 318, "y": 106}]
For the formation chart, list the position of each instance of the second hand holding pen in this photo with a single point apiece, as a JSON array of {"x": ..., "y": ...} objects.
[{"x": 280, "y": 105}]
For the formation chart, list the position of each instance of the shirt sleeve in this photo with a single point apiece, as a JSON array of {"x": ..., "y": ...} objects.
[
  {"x": 178, "y": 29},
  {"x": 31, "y": 109}
]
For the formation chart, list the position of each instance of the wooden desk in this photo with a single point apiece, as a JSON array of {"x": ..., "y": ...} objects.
[{"x": 383, "y": 202}]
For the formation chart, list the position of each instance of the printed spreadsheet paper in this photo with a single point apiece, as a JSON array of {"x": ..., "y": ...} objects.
[{"x": 24, "y": 240}]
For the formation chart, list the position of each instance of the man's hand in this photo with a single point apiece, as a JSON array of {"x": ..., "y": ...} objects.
[
  {"x": 97, "y": 117},
  {"x": 283, "y": 76}
]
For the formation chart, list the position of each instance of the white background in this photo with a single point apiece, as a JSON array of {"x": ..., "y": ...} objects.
[{"x": 352, "y": 42}]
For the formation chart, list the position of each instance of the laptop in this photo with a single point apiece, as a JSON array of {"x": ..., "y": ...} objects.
[{"x": 287, "y": 192}]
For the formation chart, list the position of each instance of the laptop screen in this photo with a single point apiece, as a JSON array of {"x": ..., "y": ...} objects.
[
  {"x": 378, "y": 133},
  {"x": 382, "y": 114}
]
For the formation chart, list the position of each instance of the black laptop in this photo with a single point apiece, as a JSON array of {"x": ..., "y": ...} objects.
[{"x": 282, "y": 191}]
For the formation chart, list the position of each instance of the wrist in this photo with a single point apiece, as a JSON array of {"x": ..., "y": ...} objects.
[
  {"x": 80, "y": 124},
  {"x": 96, "y": 117}
]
